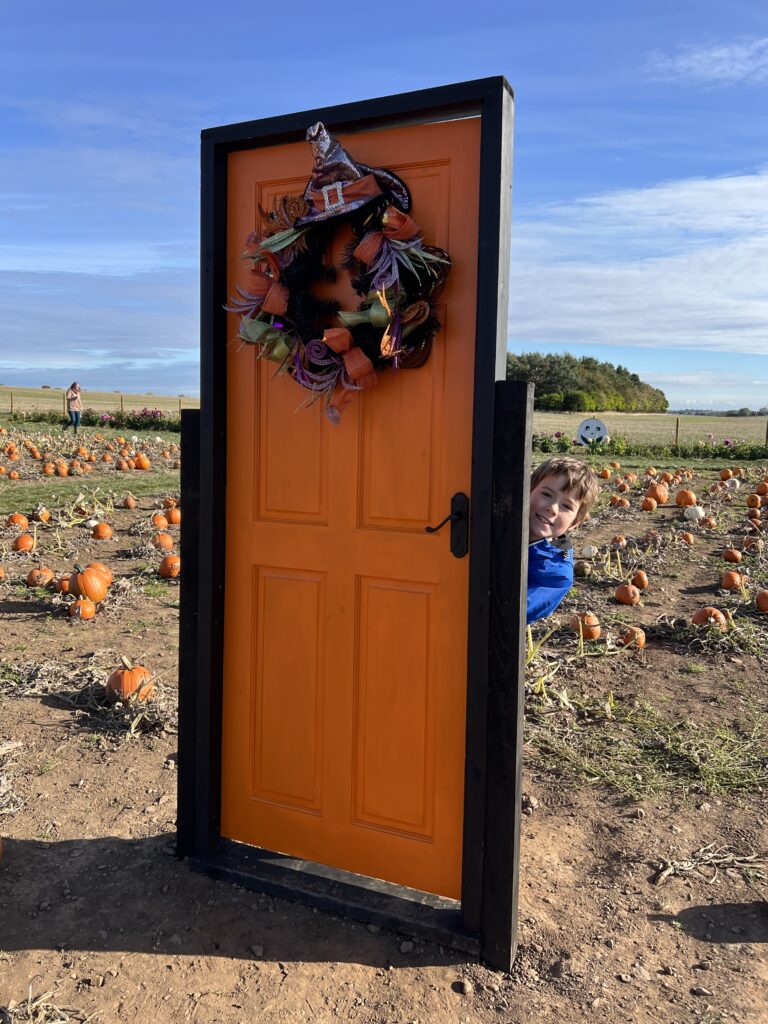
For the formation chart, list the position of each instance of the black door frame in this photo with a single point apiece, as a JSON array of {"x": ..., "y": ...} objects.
[{"x": 484, "y": 921}]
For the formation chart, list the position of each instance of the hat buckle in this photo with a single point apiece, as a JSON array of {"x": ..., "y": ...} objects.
[{"x": 338, "y": 202}]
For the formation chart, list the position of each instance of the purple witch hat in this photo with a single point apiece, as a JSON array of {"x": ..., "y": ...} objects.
[{"x": 339, "y": 184}]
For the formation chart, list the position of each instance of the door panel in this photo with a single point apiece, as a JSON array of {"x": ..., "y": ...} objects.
[{"x": 345, "y": 623}]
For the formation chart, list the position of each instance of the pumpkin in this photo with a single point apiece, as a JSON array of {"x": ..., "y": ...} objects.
[
  {"x": 62, "y": 585},
  {"x": 634, "y": 637},
  {"x": 667, "y": 477},
  {"x": 163, "y": 541},
  {"x": 83, "y": 608},
  {"x": 726, "y": 474},
  {"x": 24, "y": 542},
  {"x": 142, "y": 462},
  {"x": 685, "y": 497},
  {"x": 106, "y": 457},
  {"x": 752, "y": 544},
  {"x": 88, "y": 583},
  {"x": 605, "y": 473},
  {"x": 170, "y": 567},
  {"x": 101, "y": 568},
  {"x": 640, "y": 580},
  {"x": 649, "y": 504},
  {"x": 587, "y": 624},
  {"x": 762, "y": 488},
  {"x": 41, "y": 514},
  {"x": 580, "y": 568},
  {"x": 731, "y": 580},
  {"x": 659, "y": 493},
  {"x": 651, "y": 471},
  {"x": 174, "y": 516},
  {"x": 616, "y": 465},
  {"x": 159, "y": 521},
  {"x": 102, "y": 531},
  {"x": 731, "y": 555},
  {"x": 13, "y": 475},
  {"x": 711, "y": 617},
  {"x": 708, "y": 523},
  {"x": 627, "y": 593},
  {"x": 49, "y": 468},
  {"x": 40, "y": 577},
  {"x": 623, "y": 502},
  {"x": 2, "y": 572},
  {"x": 169, "y": 502},
  {"x": 121, "y": 465},
  {"x": 619, "y": 541},
  {"x": 761, "y": 601},
  {"x": 18, "y": 520},
  {"x": 589, "y": 551},
  {"x": 694, "y": 513},
  {"x": 129, "y": 501},
  {"x": 124, "y": 682},
  {"x": 622, "y": 487}
]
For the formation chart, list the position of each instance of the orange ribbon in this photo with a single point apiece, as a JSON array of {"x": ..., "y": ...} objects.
[
  {"x": 394, "y": 224},
  {"x": 340, "y": 193},
  {"x": 357, "y": 364},
  {"x": 276, "y": 301}
]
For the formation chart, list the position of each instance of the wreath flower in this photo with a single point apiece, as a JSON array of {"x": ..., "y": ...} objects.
[{"x": 330, "y": 352}]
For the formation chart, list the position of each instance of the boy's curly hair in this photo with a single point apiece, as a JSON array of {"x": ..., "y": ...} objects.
[{"x": 581, "y": 480}]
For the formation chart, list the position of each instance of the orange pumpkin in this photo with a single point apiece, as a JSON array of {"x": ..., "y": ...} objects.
[
  {"x": 619, "y": 542},
  {"x": 761, "y": 601},
  {"x": 62, "y": 585},
  {"x": 711, "y": 617},
  {"x": 39, "y": 577},
  {"x": 659, "y": 493},
  {"x": 634, "y": 637},
  {"x": 708, "y": 523},
  {"x": 124, "y": 682},
  {"x": 170, "y": 567},
  {"x": 83, "y": 608},
  {"x": 142, "y": 462},
  {"x": 163, "y": 541},
  {"x": 174, "y": 516},
  {"x": 159, "y": 521},
  {"x": 649, "y": 504},
  {"x": 627, "y": 593},
  {"x": 24, "y": 542},
  {"x": 102, "y": 569},
  {"x": 129, "y": 501},
  {"x": 753, "y": 501},
  {"x": 685, "y": 497},
  {"x": 18, "y": 520},
  {"x": 731, "y": 580},
  {"x": 762, "y": 488},
  {"x": 726, "y": 474},
  {"x": 731, "y": 555},
  {"x": 587, "y": 624},
  {"x": 605, "y": 473},
  {"x": 640, "y": 580},
  {"x": 88, "y": 583},
  {"x": 102, "y": 531}
]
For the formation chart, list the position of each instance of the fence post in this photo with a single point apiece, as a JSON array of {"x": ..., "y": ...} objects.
[
  {"x": 766, "y": 433},
  {"x": 677, "y": 432},
  {"x": 11, "y": 403},
  {"x": 122, "y": 408},
  {"x": 64, "y": 401},
  {"x": 179, "y": 406}
]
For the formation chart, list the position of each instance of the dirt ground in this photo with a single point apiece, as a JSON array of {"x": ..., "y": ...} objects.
[{"x": 99, "y": 921}]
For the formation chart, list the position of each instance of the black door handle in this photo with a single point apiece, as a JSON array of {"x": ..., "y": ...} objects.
[{"x": 458, "y": 517}]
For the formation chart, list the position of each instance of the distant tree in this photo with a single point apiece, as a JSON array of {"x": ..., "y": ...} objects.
[{"x": 584, "y": 384}]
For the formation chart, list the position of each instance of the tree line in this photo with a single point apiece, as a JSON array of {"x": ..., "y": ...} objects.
[{"x": 567, "y": 383}]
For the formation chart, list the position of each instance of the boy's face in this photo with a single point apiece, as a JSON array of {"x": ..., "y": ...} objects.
[{"x": 553, "y": 508}]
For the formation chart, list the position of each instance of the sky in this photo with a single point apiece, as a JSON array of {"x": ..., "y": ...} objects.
[{"x": 640, "y": 173}]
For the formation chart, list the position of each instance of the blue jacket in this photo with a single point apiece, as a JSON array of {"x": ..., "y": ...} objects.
[{"x": 550, "y": 577}]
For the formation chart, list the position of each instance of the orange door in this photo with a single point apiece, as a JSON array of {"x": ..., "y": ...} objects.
[{"x": 345, "y": 623}]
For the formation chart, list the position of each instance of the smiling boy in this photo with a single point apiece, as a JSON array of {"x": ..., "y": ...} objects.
[{"x": 562, "y": 492}]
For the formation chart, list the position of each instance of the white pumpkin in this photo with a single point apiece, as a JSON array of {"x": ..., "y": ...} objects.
[
  {"x": 589, "y": 551},
  {"x": 693, "y": 513}
]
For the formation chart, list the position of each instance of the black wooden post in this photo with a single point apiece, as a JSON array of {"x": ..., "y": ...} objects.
[{"x": 506, "y": 670}]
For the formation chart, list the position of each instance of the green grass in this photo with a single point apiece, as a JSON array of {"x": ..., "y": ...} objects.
[
  {"x": 657, "y": 428},
  {"x": 108, "y": 401},
  {"x": 637, "y": 751},
  {"x": 23, "y": 495}
]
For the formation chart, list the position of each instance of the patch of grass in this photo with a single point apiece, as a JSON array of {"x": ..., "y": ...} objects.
[
  {"x": 55, "y": 491},
  {"x": 693, "y": 668},
  {"x": 154, "y": 588},
  {"x": 634, "y": 749}
]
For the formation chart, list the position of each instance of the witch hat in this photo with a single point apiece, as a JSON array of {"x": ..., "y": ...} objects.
[{"x": 340, "y": 185}]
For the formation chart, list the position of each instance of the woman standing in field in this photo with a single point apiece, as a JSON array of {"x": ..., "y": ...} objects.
[{"x": 74, "y": 406}]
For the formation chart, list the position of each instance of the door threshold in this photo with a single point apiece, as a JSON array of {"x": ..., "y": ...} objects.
[{"x": 370, "y": 900}]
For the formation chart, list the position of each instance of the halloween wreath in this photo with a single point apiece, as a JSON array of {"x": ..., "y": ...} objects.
[{"x": 332, "y": 352}]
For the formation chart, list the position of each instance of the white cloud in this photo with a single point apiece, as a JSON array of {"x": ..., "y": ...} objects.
[
  {"x": 724, "y": 63},
  {"x": 679, "y": 265}
]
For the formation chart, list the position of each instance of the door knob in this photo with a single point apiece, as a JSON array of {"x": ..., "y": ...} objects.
[{"x": 458, "y": 517}]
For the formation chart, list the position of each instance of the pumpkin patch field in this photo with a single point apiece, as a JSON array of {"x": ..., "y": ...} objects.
[{"x": 644, "y": 836}]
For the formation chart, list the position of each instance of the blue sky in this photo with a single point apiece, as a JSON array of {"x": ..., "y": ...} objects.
[{"x": 640, "y": 198}]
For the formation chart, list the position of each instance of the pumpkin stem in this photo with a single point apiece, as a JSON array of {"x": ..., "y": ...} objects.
[
  {"x": 126, "y": 662},
  {"x": 79, "y": 568}
]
